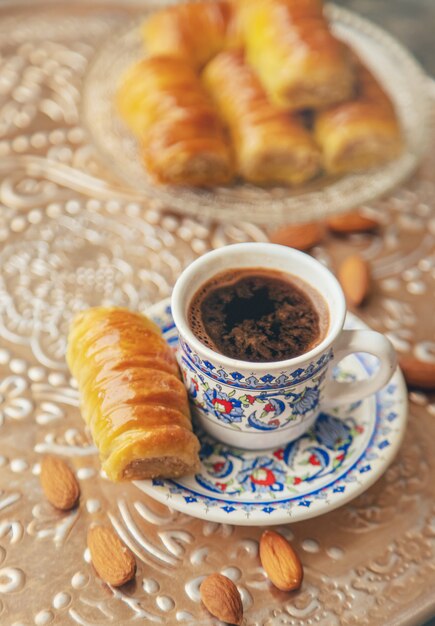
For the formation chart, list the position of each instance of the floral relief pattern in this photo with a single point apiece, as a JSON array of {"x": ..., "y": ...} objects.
[{"x": 13, "y": 403}]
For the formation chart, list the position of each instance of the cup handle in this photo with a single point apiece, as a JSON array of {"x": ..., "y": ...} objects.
[{"x": 369, "y": 341}]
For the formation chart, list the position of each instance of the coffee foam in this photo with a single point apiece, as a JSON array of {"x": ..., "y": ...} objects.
[{"x": 229, "y": 277}]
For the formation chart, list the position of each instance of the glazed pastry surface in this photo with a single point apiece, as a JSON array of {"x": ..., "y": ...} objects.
[
  {"x": 361, "y": 133},
  {"x": 289, "y": 44},
  {"x": 132, "y": 398},
  {"x": 193, "y": 31},
  {"x": 270, "y": 145},
  {"x": 182, "y": 138}
]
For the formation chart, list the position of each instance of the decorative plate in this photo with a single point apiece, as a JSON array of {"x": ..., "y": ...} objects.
[
  {"x": 395, "y": 67},
  {"x": 347, "y": 450}
]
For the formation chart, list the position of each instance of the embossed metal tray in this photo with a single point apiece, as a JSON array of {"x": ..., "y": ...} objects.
[
  {"x": 397, "y": 70},
  {"x": 68, "y": 240}
]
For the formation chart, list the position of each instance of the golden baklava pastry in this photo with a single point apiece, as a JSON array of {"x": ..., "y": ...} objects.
[
  {"x": 290, "y": 46},
  {"x": 131, "y": 395},
  {"x": 182, "y": 138},
  {"x": 193, "y": 31},
  {"x": 270, "y": 145},
  {"x": 361, "y": 133}
]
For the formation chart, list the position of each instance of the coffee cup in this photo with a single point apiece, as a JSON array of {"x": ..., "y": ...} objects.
[{"x": 255, "y": 405}]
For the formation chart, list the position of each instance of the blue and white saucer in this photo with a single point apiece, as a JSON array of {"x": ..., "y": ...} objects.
[{"x": 346, "y": 451}]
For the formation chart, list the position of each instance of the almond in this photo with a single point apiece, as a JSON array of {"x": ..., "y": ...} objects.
[
  {"x": 59, "y": 483},
  {"x": 113, "y": 561},
  {"x": 299, "y": 236},
  {"x": 351, "y": 223},
  {"x": 222, "y": 598},
  {"x": 354, "y": 276},
  {"x": 417, "y": 373},
  {"x": 280, "y": 561}
]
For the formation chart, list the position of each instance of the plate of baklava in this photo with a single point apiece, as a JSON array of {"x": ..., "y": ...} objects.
[{"x": 264, "y": 110}]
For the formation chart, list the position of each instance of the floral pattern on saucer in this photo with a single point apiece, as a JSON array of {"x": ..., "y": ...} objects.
[
  {"x": 318, "y": 453},
  {"x": 347, "y": 449}
]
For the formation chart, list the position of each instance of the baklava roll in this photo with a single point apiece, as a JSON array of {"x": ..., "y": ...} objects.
[
  {"x": 182, "y": 138},
  {"x": 193, "y": 31},
  {"x": 270, "y": 145},
  {"x": 362, "y": 133},
  {"x": 131, "y": 395},
  {"x": 290, "y": 46}
]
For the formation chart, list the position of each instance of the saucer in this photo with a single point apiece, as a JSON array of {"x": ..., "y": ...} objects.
[{"x": 345, "y": 452}]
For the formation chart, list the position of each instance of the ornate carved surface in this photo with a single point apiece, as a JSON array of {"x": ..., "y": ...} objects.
[{"x": 68, "y": 241}]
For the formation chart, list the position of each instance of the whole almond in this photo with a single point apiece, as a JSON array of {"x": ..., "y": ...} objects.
[
  {"x": 113, "y": 561},
  {"x": 280, "y": 561},
  {"x": 222, "y": 598},
  {"x": 351, "y": 223},
  {"x": 59, "y": 483},
  {"x": 299, "y": 236},
  {"x": 417, "y": 373},
  {"x": 354, "y": 277}
]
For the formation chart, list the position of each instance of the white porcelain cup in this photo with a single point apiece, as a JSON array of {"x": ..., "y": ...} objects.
[{"x": 262, "y": 405}]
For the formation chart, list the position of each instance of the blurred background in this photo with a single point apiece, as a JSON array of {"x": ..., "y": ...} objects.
[{"x": 411, "y": 21}]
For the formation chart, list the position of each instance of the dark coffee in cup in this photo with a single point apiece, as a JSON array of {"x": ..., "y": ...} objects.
[{"x": 258, "y": 315}]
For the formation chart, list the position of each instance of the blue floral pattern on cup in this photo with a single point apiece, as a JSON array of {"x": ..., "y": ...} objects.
[
  {"x": 248, "y": 381},
  {"x": 262, "y": 411},
  {"x": 225, "y": 408}
]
